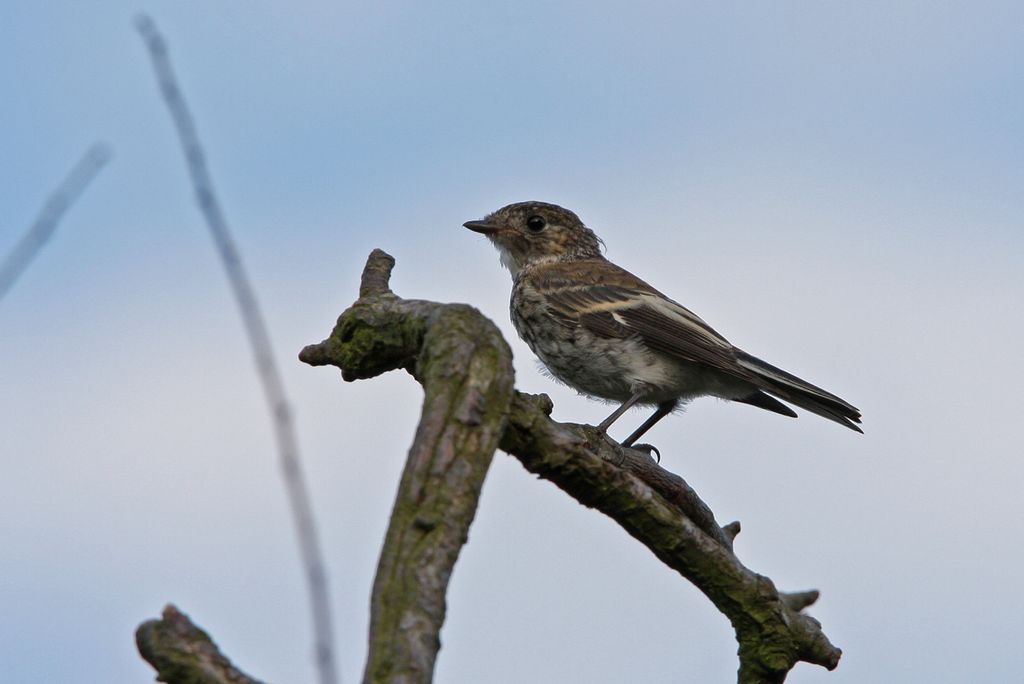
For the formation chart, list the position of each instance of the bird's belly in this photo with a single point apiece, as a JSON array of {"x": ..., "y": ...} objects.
[{"x": 612, "y": 369}]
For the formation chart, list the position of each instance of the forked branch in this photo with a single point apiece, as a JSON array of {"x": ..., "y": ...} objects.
[{"x": 470, "y": 408}]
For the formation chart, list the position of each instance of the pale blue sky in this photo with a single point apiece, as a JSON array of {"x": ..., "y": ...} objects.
[{"x": 836, "y": 188}]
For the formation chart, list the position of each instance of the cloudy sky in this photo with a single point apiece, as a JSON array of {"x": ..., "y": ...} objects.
[{"x": 836, "y": 188}]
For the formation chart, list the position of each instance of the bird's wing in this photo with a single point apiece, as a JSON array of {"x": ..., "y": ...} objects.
[{"x": 611, "y": 302}]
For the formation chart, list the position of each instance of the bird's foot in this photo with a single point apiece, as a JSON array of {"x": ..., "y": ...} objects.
[
  {"x": 608, "y": 438},
  {"x": 649, "y": 449},
  {"x": 616, "y": 447}
]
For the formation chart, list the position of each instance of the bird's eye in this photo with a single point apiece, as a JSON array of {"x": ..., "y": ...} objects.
[{"x": 536, "y": 223}]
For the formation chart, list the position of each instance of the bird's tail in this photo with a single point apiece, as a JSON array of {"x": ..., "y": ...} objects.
[{"x": 781, "y": 384}]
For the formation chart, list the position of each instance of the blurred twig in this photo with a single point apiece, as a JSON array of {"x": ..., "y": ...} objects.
[
  {"x": 42, "y": 230},
  {"x": 260, "y": 340}
]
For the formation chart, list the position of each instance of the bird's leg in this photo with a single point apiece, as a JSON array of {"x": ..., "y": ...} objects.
[
  {"x": 664, "y": 408},
  {"x": 617, "y": 413}
]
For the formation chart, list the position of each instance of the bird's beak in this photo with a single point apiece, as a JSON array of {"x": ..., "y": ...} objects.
[{"x": 481, "y": 227}]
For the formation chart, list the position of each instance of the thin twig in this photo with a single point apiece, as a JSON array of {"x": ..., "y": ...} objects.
[
  {"x": 270, "y": 377},
  {"x": 57, "y": 204}
]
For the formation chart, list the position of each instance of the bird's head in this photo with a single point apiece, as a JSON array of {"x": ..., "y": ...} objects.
[{"x": 528, "y": 233}]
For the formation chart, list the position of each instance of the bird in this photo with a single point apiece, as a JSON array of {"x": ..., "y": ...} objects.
[{"x": 609, "y": 335}]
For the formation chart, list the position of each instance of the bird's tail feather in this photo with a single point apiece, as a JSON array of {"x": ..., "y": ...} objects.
[{"x": 800, "y": 393}]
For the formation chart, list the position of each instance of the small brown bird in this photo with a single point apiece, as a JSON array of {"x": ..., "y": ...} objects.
[{"x": 606, "y": 333}]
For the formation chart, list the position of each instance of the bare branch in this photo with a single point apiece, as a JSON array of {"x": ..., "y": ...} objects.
[
  {"x": 70, "y": 189},
  {"x": 259, "y": 338},
  {"x": 465, "y": 368},
  {"x": 181, "y": 653},
  {"x": 772, "y": 633},
  {"x": 377, "y": 274},
  {"x": 801, "y": 599},
  {"x": 382, "y": 332}
]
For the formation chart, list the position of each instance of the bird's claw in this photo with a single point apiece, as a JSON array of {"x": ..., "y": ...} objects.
[
  {"x": 648, "y": 449},
  {"x": 616, "y": 447}
]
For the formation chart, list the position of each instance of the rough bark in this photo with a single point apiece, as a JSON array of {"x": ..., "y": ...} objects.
[
  {"x": 181, "y": 653},
  {"x": 465, "y": 368},
  {"x": 773, "y": 634},
  {"x": 470, "y": 408}
]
